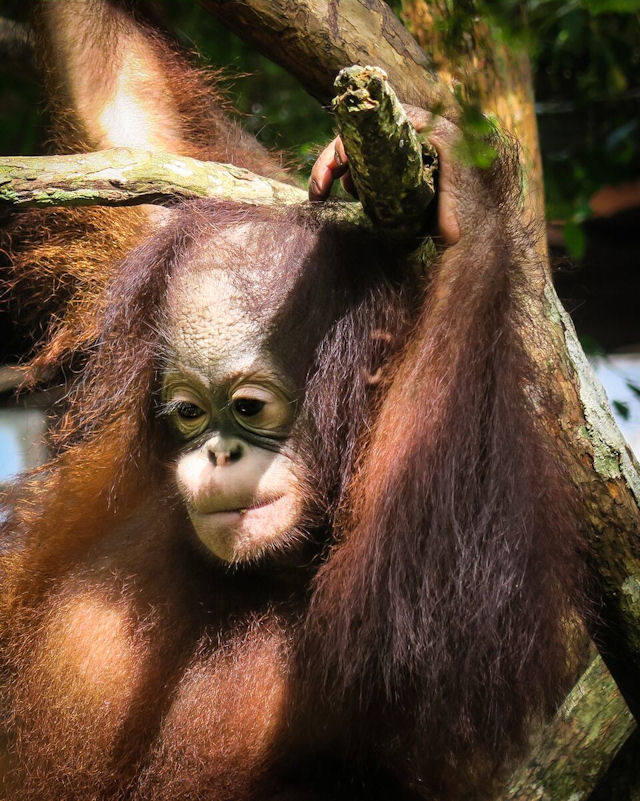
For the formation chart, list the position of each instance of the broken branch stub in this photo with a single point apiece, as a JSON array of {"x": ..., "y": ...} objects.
[{"x": 393, "y": 168}]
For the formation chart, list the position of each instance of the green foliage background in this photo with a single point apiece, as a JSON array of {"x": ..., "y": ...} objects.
[{"x": 586, "y": 56}]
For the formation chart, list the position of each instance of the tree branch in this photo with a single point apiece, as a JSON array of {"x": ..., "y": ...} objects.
[
  {"x": 572, "y": 753},
  {"x": 315, "y": 39},
  {"x": 125, "y": 177},
  {"x": 608, "y": 476},
  {"x": 387, "y": 158},
  {"x": 392, "y": 168}
]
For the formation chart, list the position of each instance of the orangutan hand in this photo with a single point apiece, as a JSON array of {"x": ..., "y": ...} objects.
[{"x": 333, "y": 163}]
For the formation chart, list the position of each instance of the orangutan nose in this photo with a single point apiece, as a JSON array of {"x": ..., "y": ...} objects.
[{"x": 224, "y": 451}]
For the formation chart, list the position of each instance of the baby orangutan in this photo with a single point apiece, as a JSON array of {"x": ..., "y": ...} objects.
[{"x": 304, "y": 536}]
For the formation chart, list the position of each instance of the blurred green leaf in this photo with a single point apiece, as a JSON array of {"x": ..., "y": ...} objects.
[
  {"x": 634, "y": 388},
  {"x": 474, "y": 148},
  {"x": 612, "y": 6},
  {"x": 581, "y": 211},
  {"x": 574, "y": 239},
  {"x": 621, "y": 409}
]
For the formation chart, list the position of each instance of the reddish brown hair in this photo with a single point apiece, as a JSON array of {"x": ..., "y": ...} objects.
[
  {"x": 444, "y": 528},
  {"x": 442, "y": 611}
]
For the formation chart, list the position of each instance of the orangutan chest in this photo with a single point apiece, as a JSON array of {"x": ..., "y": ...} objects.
[{"x": 103, "y": 696}]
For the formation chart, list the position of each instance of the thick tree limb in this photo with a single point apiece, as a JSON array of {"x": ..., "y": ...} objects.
[
  {"x": 608, "y": 476},
  {"x": 315, "y": 39},
  {"x": 124, "y": 177},
  {"x": 573, "y": 752},
  {"x": 392, "y": 168}
]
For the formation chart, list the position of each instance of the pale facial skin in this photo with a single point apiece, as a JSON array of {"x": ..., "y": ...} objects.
[{"x": 233, "y": 410}]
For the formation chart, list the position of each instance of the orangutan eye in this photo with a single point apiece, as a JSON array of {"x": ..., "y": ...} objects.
[
  {"x": 186, "y": 406},
  {"x": 262, "y": 409},
  {"x": 188, "y": 417},
  {"x": 248, "y": 407},
  {"x": 188, "y": 411}
]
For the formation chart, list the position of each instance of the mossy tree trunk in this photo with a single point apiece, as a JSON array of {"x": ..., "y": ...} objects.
[{"x": 471, "y": 61}]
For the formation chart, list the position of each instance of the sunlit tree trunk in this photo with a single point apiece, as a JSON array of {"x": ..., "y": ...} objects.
[{"x": 474, "y": 62}]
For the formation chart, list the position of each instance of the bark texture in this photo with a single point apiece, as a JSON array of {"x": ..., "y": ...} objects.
[
  {"x": 392, "y": 169},
  {"x": 315, "y": 39},
  {"x": 573, "y": 752},
  {"x": 124, "y": 176}
]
